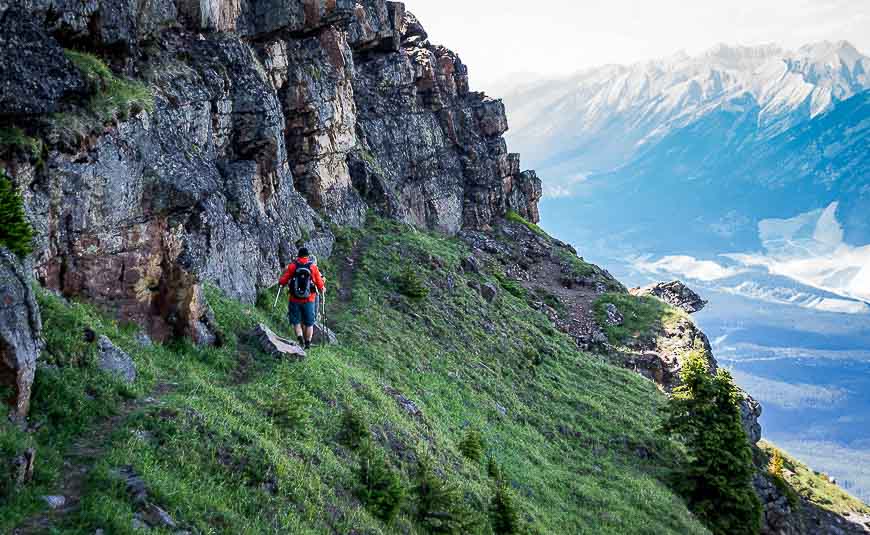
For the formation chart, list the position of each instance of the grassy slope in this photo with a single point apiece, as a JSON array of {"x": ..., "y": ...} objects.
[
  {"x": 815, "y": 487},
  {"x": 244, "y": 443},
  {"x": 643, "y": 316}
]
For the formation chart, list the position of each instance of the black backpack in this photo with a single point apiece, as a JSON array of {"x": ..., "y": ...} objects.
[{"x": 300, "y": 284}]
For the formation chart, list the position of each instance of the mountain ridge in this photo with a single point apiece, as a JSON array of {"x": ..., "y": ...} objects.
[
  {"x": 649, "y": 99},
  {"x": 172, "y": 160}
]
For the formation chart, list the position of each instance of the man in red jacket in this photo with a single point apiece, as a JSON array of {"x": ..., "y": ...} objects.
[{"x": 304, "y": 280}]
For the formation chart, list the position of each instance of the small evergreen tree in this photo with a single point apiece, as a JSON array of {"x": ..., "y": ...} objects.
[
  {"x": 503, "y": 514},
  {"x": 441, "y": 507},
  {"x": 410, "y": 284},
  {"x": 354, "y": 431},
  {"x": 494, "y": 470},
  {"x": 289, "y": 405},
  {"x": 472, "y": 445},
  {"x": 15, "y": 232},
  {"x": 704, "y": 412},
  {"x": 380, "y": 487}
]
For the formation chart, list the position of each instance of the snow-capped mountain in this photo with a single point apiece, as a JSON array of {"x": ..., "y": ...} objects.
[
  {"x": 600, "y": 118},
  {"x": 703, "y": 150}
]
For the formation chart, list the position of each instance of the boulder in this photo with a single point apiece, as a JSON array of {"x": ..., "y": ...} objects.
[
  {"x": 20, "y": 330},
  {"x": 157, "y": 517},
  {"x": 22, "y": 467},
  {"x": 614, "y": 316},
  {"x": 323, "y": 335},
  {"x": 201, "y": 325},
  {"x": 407, "y": 405},
  {"x": 114, "y": 361},
  {"x": 470, "y": 264},
  {"x": 54, "y": 502},
  {"x": 489, "y": 291},
  {"x": 674, "y": 293},
  {"x": 144, "y": 340},
  {"x": 269, "y": 342}
]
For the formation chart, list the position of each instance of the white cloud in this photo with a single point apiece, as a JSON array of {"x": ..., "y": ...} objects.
[
  {"x": 790, "y": 296},
  {"x": 809, "y": 248},
  {"x": 564, "y": 188},
  {"x": 687, "y": 266}
]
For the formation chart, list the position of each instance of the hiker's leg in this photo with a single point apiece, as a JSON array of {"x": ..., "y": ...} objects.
[
  {"x": 294, "y": 314},
  {"x": 308, "y": 319}
]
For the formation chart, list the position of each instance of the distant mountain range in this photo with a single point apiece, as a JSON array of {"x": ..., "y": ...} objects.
[
  {"x": 600, "y": 118},
  {"x": 708, "y": 154}
]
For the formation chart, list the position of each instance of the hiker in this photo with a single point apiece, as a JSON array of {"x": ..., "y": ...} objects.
[{"x": 304, "y": 281}]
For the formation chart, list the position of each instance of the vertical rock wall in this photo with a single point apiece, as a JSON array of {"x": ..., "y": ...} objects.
[
  {"x": 270, "y": 118},
  {"x": 20, "y": 330}
]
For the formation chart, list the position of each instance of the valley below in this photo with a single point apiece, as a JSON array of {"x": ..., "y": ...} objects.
[{"x": 810, "y": 368}]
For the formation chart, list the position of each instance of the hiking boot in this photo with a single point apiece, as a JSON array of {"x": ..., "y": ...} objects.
[
  {"x": 308, "y": 344},
  {"x": 301, "y": 340}
]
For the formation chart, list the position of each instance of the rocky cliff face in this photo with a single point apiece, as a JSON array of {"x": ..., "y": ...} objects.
[
  {"x": 20, "y": 329},
  {"x": 270, "y": 120}
]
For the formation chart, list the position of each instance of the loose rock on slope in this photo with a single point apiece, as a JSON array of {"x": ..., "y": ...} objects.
[
  {"x": 114, "y": 361},
  {"x": 269, "y": 342}
]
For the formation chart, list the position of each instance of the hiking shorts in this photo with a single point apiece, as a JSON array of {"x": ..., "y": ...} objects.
[{"x": 304, "y": 313}]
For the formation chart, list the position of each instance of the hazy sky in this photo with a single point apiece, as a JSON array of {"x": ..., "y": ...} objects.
[{"x": 497, "y": 38}]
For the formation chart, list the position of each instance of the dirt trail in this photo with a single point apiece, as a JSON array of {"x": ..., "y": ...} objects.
[
  {"x": 345, "y": 278},
  {"x": 80, "y": 459}
]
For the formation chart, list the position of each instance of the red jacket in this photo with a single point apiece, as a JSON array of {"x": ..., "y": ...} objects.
[{"x": 315, "y": 276}]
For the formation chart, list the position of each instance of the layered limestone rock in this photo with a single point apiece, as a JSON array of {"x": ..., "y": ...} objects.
[
  {"x": 269, "y": 118},
  {"x": 449, "y": 166},
  {"x": 20, "y": 330}
]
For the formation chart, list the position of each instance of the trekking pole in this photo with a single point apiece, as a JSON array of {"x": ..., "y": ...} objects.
[
  {"x": 323, "y": 309},
  {"x": 280, "y": 289}
]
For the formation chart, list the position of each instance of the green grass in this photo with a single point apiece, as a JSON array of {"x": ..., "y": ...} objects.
[
  {"x": 14, "y": 138},
  {"x": 643, "y": 316},
  {"x": 511, "y": 286},
  {"x": 514, "y": 217},
  {"x": 112, "y": 98},
  {"x": 800, "y": 480},
  {"x": 69, "y": 395},
  {"x": 246, "y": 443}
]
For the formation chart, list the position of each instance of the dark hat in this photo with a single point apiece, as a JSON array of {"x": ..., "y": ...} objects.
[{"x": 303, "y": 251}]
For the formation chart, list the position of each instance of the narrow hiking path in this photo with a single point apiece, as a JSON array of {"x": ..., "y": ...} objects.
[
  {"x": 351, "y": 262},
  {"x": 80, "y": 459}
]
